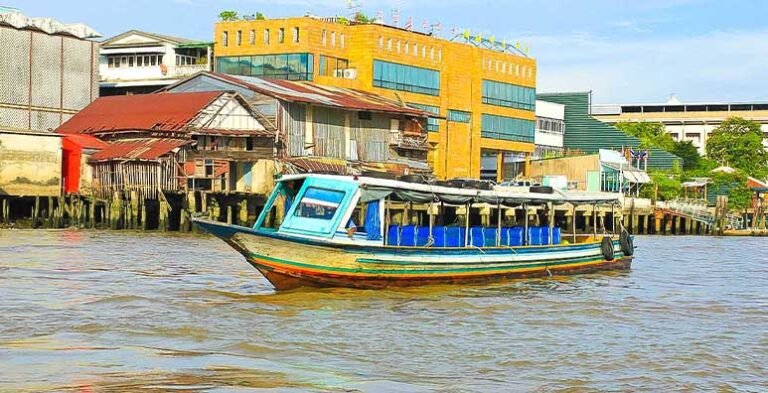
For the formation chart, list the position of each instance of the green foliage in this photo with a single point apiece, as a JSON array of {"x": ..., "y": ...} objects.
[
  {"x": 738, "y": 143},
  {"x": 688, "y": 152},
  {"x": 664, "y": 186},
  {"x": 342, "y": 20},
  {"x": 650, "y": 134},
  {"x": 260, "y": 16},
  {"x": 362, "y": 18},
  {"x": 228, "y": 16},
  {"x": 735, "y": 186}
]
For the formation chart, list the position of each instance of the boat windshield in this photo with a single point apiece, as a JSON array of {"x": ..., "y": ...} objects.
[{"x": 319, "y": 203}]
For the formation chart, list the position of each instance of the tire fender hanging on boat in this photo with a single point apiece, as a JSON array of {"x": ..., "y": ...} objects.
[
  {"x": 626, "y": 242},
  {"x": 606, "y": 246}
]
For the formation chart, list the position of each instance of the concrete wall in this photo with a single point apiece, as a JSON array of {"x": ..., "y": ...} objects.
[
  {"x": 574, "y": 168},
  {"x": 44, "y": 79},
  {"x": 30, "y": 164}
]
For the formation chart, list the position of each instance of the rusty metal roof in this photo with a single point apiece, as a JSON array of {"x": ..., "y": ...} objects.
[
  {"x": 86, "y": 141},
  {"x": 138, "y": 149},
  {"x": 311, "y": 93},
  {"x": 149, "y": 112}
]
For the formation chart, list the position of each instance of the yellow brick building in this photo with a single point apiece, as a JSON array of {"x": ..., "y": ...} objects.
[{"x": 481, "y": 91}]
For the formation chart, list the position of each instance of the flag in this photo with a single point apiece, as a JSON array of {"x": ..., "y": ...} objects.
[
  {"x": 409, "y": 23},
  {"x": 479, "y": 37},
  {"x": 425, "y": 25},
  {"x": 492, "y": 39},
  {"x": 466, "y": 35},
  {"x": 438, "y": 28}
]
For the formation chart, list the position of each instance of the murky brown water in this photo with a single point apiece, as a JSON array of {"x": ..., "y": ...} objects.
[{"x": 115, "y": 311}]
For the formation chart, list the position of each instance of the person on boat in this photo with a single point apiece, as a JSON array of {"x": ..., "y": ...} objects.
[{"x": 351, "y": 228}]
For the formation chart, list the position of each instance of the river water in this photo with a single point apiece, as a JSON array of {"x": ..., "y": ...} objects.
[{"x": 86, "y": 311}]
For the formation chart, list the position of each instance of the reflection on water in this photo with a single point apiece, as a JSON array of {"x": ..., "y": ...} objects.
[{"x": 118, "y": 311}]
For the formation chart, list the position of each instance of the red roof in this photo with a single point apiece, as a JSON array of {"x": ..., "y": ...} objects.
[
  {"x": 86, "y": 141},
  {"x": 228, "y": 132},
  {"x": 138, "y": 149},
  {"x": 311, "y": 93},
  {"x": 161, "y": 112}
]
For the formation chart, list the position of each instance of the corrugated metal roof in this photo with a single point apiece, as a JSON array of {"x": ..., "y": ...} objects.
[
  {"x": 86, "y": 141},
  {"x": 138, "y": 149},
  {"x": 584, "y": 132},
  {"x": 155, "y": 112},
  {"x": 18, "y": 20},
  {"x": 311, "y": 93},
  {"x": 228, "y": 132}
]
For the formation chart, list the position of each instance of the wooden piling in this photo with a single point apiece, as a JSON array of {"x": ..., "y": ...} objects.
[{"x": 243, "y": 213}]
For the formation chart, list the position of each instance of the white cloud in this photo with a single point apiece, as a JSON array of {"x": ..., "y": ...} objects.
[{"x": 721, "y": 65}]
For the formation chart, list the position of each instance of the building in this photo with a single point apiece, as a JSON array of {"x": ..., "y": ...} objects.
[
  {"x": 550, "y": 127},
  {"x": 48, "y": 71},
  {"x": 30, "y": 163},
  {"x": 587, "y": 135},
  {"x": 138, "y": 62},
  {"x": 480, "y": 91},
  {"x": 168, "y": 143},
  {"x": 685, "y": 122},
  {"x": 349, "y": 131}
]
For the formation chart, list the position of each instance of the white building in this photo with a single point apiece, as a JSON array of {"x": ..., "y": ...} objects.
[
  {"x": 685, "y": 122},
  {"x": 137, "y": 62},
  {"x": 550, "y": 127}
]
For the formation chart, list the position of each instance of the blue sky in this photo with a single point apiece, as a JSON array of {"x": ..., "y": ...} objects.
[{"x": 622, "y": 50}]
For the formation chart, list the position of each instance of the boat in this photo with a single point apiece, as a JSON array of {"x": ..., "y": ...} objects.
[{"x": 319, "y": 230}]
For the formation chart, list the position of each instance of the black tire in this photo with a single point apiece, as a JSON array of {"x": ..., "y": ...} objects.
[
  {"x": 606, "y": 246},
  {"x": 542, "y": 189},
  {"x": 626, "y": 242},
  {"x": 413, "y": 179}
]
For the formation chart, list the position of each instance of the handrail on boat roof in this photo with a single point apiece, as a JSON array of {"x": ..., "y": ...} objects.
[{"x": 557, "y": 197}]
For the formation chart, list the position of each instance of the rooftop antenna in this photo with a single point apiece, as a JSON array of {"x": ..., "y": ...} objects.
[
  {"x": 354, "y": 6},
  {"x": 396, "y": 17}
]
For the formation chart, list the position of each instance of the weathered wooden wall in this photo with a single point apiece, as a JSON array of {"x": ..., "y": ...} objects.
[{"x": 574, "y": 168}]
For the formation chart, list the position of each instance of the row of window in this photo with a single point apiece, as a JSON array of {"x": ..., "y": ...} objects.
[
  {"x": 324, "y": 39},
  {"x": 509, "y": 95},
  {"x": 433, "y": 124},
  {"x": 291, "y": 66},
  {"x": 507, "y": 128},
  {"x": 550, "y": 125},
  {"x": 459, "y": 116},
  {"x": 332, "y": 66},
  {"x": 503, "y": 67},
  {"x": 413, "y": 49},
  {"x": 186, "y": 60},
  {"x": 134, "y": 60},
  {"x": 252, "y": 37},
  {"x": 406, "y": 78}
]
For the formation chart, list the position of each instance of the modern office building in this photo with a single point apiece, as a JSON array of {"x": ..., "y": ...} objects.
[
  {"x": 685, "y": 121},
  {"x": 481, "y": 91}
]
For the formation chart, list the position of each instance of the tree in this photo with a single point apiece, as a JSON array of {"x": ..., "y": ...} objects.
[
  {"x": 663, "y": 187},
  {"x": 689, "y": 153},
  {"x": 260, "y": 16},
  {"x": 362, "y": 18},
  {"x": 228, "y": 16},
  {"x": 735, "y": 186},
  {"x": 650, "y": 134},
  {"x": 738, "y": 143}
]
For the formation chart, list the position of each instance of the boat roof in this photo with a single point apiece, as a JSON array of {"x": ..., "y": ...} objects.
[{"x": 418, "y": 192}]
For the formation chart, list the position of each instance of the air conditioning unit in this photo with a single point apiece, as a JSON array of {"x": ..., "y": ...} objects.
[{"x": 350, "y": 73}]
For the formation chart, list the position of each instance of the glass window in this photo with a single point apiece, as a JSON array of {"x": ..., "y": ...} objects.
[
  {"x": 508, "y": 95},
  {"x": 295, "y": 34},
  {"x": 252, "y": 37},
  {"x": 507, "y": 128},
  {"x": 281, "y": 35},
  {"x": 319, "y": 203},
  {"x": 224, "y": 38},
  {"x": 323, "y": 37},
  {"x": 110, "y": 62},
  {"x": 130, "y": 61},
  {"x": 333, "y": 39},
  {"x": 433, "y": 123},
  {"x": 295, "y": 66},
  {"x": 389, "y": 44},
  {"x": 406, "y": 78},
  {"x": 341, "y": 38},
  {"x": 239, "y": 38},
  {"x": 266, "y": 36},
  {"x": 459, "y": 116},
  {"x": 381, "y": 42}
]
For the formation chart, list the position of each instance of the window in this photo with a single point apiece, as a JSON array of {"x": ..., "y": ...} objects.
[
  {"x": 508, "y": 95},
  {"x": 424, "y": 52},
  {"x": 139, "y": 61},
  {"x": 439, "y": 55},
  {"x": 293, "y": 66},
  {"x": 433, "y": 124},
  {"x": 381, "y": 42},
  {"x": 398, "y": 46},
  {"x": 124, "y": 61},
  {"x": 295, "y": 34},
  {"x": 407, "y": 47},
  {"x": 224, "y": 38},
  {"x": 389, "y": 44},
  {"x": 550, "y": 125},
  {"x": 130, "y": 61},
  {"x": 507, "y": 128},
  {"x": 332, "y": 66},
  {"x": 342, "y": 40},
  {"x": 266, "y": 36},
  {"x": 459, "y": 116},
  {"x": 252, "y": 37},
  {"x": 110, "y": 62},
  {"x": 333, "y": 39},
  {"x": 239, "y": 38},
  {"x": 323, "y": 37},
  {"x": 432, "y": 54},
  {"x": 415, "y": 49},
  {"x": 281, "y": 35},
  {"x": 319, "y": 203},
  {"x": 406, "y": 78},
  {"x": 155, "y": 60}
]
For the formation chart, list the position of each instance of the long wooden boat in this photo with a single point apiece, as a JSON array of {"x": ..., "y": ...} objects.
[{"x": 359, "y": 232}]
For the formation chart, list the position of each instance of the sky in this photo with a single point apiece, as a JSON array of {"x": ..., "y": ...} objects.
[{"x": 624, "y": 51}]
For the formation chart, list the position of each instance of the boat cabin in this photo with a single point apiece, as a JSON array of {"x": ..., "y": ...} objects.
[{"x": 381, "y": 212}]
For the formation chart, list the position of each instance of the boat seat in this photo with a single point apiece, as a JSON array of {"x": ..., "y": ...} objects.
[
  {"x": 477, "y": 236},
  {"x": 438, "y": 233},
  {"x": 422, "y": 236},
  {"x": 455, "y": 236},
  {"x": 408, "y": 236},
  {"x": 490, "y": 236},
  {"x": 393, "y": 235}
]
